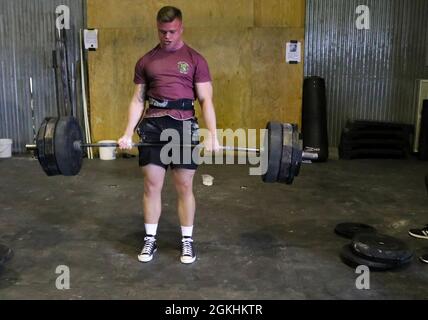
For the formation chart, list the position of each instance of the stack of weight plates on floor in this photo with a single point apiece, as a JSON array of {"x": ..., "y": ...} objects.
[
  {"x": 371, "y": 139},
  {"x": 377, "y": 251}
]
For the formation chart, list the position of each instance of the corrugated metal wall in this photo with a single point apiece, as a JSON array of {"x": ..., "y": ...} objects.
[
  {"x": 370, "y": 74},
  {"x": 27, "y": 39}
]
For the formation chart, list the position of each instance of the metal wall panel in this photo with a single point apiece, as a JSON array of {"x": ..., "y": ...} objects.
[
  {"x": 27, "y": 39},
  {"x": 370, "y": 74}
]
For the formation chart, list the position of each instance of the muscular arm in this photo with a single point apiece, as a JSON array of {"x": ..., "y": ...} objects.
[
  {"x": 136, "y": 109},
  {"x": 204, "y": 92}
]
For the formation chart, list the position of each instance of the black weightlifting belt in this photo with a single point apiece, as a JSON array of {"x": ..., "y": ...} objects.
[{"x": 181, "y": 104}]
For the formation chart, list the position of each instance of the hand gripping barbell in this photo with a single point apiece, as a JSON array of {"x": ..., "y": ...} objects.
[{"x": 59, "y": 149}]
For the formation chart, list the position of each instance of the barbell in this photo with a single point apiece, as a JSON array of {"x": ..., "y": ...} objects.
[{"x": 59, "y": 149}]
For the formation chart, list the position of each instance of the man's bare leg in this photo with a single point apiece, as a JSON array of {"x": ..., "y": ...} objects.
[
  {"x": 154, "y": 177},
  {"x": 183, "y": 180}
]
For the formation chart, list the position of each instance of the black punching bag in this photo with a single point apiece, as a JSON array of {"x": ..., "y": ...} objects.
[{"x": 314, "y": 117}]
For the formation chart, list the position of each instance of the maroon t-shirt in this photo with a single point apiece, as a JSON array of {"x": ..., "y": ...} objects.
[{"x": 171, "y": 76}]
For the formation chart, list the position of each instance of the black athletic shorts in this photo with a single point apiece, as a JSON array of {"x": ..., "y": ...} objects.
[{"x": 187, "y": 132}]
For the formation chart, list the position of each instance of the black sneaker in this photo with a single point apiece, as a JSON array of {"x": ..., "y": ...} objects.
[
  {"x": 149, "y": 249},
  {"x": 419, "y": 233},
  {"x": 187, "y": 251},
  {"x": 5, "y": 254},
  {"x": 424, "y": 258}
]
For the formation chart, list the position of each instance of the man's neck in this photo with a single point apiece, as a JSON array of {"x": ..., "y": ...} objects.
[{"x": 177, "y": 47}]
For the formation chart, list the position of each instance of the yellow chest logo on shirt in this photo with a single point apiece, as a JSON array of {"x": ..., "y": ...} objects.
[{"x": 183, "y": 67}]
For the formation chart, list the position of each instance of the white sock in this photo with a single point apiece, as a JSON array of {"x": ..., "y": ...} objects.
[
  {"x": 151, "y": 228},
  {"x": 186, "y": 231}
]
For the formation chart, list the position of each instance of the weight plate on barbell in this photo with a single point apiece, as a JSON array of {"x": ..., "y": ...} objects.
[
  {"x": 69, "y": 158},
  {"x": 296, "y": 159},
  {"x": 40, "y": 144},
  {"x": 287, "y": 153},
  {"x": 49, "y": 148},
  {"x": 273, "y": 144}
]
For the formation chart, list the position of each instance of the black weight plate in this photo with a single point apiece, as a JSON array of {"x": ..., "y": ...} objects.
[
  {"x": 40, "y": 143},
  {"x": 350, "y": 229},
  {"x": 69, "y": 159},
  {"x": 296, "y": 159},
  {"x": 380, "y": 247},
  {"x": 353, "y": 260},
  {"x": 50, "y": 160},
  {"x": 287, "y": 153},
  {"x": 396, "y": 263},
  {"x": 273, "y": 141}
]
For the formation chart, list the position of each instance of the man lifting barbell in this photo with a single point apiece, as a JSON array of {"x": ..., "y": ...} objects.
[{"x": 168, "y": 77}]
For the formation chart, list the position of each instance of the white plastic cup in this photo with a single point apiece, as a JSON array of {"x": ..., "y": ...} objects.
[
  {"x": 107, "y": 153},
  {"x": 207, "y": 180},
  {"x": 5, "y": 148}
]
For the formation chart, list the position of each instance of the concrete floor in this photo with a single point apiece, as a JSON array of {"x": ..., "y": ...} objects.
[{"x": 254, "y": 240}]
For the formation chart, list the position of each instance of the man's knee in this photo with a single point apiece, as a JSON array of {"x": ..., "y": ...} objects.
[
  {"x": 184, "y": 186},
  {"x": 152, "y": 187},
  {"x": 153, "y": 179}
]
